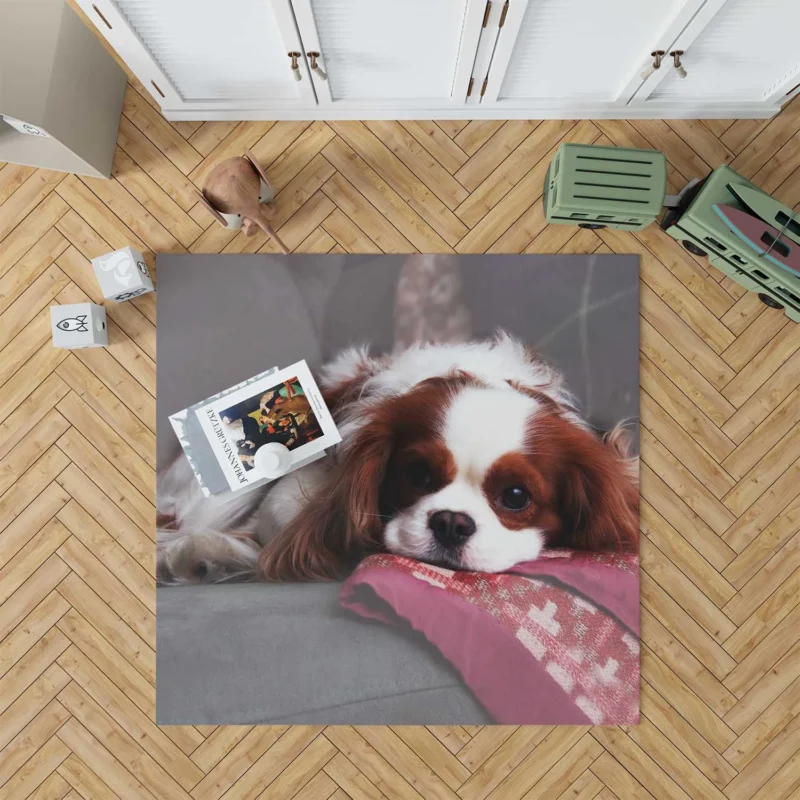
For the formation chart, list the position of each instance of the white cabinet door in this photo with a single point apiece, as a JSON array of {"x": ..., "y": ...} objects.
[
  {"x": 208, "y": 55},
  {"x": 564, "y": 54},
  {"x": 735, "y": 51},
  {"x": 391, "y": 54}
]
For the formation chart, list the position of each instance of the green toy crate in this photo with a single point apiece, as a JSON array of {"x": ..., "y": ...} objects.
[
  {"x": 697, "y": 226},
  {"x": 598, "y": 187}
]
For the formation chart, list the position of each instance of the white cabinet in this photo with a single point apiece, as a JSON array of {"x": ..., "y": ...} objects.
[
  {"x": 429, "y": 59},
  {"x": 733, "y": 51},
  {"x": 219, "y": 56},
  {"x": 415, "y": 52},
  {"x": 566, "y": 54}
]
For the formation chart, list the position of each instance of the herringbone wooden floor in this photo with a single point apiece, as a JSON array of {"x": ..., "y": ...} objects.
[{"x": 720, "y": 391}]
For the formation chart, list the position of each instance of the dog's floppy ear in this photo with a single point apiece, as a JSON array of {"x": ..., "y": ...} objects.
[
  {"x": 341, "y": 522},
  {"x": 343, "y": 379},
  {"x": 599, "y": 495}
]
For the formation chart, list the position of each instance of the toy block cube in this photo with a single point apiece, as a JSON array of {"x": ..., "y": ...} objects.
[
  {"x": 78, "y": 325},
  {"x": 122, "y": 274}
]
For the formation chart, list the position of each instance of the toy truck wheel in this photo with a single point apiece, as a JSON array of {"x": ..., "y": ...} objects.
[
  {"x": 769, "y": 301},
  {"x": 693, "y": 248},
  {"x": 592, "y": 226}
]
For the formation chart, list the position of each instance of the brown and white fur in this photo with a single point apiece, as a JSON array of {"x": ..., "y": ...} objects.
[{"x": 472, "y": 456}]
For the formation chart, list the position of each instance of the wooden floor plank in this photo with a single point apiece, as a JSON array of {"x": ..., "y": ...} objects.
[
  {"x": 299, "y": 153},
  {"x": 502, "y": 180},
  {"x": 155, "y": 164},
  {"x": 30, "y": 267},
  {"x": 159, "y": 131},
  {"x": 426, "y": 168},
  {"x": 84, "y": 782},
  {"x": 162, "y": 207},
  {"x": 686, "y": 738},
  {"x": 209, "y": 135},
  {"x": 108, "y": 478},
  {"x": 31, "y": 593},
  {"x": 36, "y": 296},
  {"x": 31, "y": 230},
  {"x": 394, "y": 195},
  {"x": 104, "y": 511},
  {"x": 243, "y": 136},
  {"x": 98, "y": 760},
  {"x": 38, "y": 768},
  {"x": 493, "y": 152},
  {"x": 31, "y": 629},
  {"x": 120, "y": 744},
  {"x": 130, "y": 719},
  {"x": 762, "y": 402},
  {"x": 437, "y": 143},
  {"x": 236, "y": 762},
  {"x": 689, "y": 596},
  {"x": 32, "y": 192},
  {"x": 12, "y": 176},
  {"x": 96, "y": 610},
  {"x": 31, "y": 427}
]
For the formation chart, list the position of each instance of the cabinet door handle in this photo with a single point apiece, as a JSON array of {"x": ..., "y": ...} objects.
[
  {"x": 317, "y": 70},
  {"x": 676, "y": 60},
  {"x": 295, "y": 67},
  {"x": 651, "y": 68}
]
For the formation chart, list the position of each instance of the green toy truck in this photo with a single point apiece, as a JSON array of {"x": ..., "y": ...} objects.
[
  {"x": 702, "y": 232},
  {"x": 599, "y": 187}
]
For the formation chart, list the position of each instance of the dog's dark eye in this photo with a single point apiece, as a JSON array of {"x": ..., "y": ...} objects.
[
  {"x": 515, "y": 498},
  {"x": 419, "y": 474}
]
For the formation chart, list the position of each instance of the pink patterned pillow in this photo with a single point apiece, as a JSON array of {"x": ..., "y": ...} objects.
[{"x": 554, "y": 641}]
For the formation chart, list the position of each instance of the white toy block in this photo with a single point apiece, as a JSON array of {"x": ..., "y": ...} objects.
[
  {"x": 122, "y": 274},
  {"x": 78, "y": 325}
]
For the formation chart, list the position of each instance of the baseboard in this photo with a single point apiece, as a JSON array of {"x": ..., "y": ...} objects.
[{"x": 564, "y": 111}]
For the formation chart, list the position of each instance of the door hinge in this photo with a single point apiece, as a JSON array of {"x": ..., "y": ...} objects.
[
  {"x": 483, "y": 88},
  {"x": 503, "y": 15},
  {"x": 486, "y": 13},
  {"x": 469, "y": 88}
]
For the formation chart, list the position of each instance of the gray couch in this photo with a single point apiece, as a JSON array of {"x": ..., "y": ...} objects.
[{"x": 236, "y": 654}]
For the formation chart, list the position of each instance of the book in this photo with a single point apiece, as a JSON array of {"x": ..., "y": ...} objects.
[{"x": 222, "y": 434}]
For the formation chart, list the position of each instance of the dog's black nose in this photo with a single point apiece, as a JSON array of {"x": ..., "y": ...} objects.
[{"x": 451, "y": 528}]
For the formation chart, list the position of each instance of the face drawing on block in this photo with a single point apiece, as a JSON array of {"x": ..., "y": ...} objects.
[
  {"x": 143, "y": 268},
  {"x": 77, "y": 324},
  {"x": 122, "y": 267}
]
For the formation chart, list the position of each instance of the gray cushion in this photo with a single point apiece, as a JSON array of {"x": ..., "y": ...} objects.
[{"x": 290, "y": 654}]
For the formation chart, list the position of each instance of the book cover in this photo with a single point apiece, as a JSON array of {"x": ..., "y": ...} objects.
[{"x": 222, "y": 434}]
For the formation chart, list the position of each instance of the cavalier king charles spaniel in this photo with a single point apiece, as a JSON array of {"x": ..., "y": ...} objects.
[{"x": 469, "y": 456}]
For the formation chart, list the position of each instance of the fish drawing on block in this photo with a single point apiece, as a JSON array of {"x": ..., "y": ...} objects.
[
  {"x": 767, "y": 241},
  {"x": 77, "y": 324}
]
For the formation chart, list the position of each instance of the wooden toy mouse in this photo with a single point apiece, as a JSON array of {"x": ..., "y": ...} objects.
[{"x": 236, "y": 191}]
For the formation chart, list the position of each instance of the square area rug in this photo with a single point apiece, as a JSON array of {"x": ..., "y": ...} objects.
[{"x": 476, "y": 529}]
